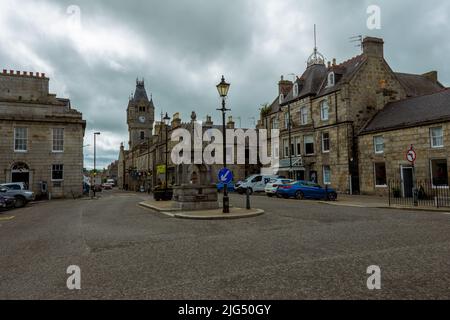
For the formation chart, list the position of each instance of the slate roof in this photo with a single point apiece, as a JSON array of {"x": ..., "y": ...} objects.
[
  {"x": 140, "y": 93},
  {"x": 309, "y": 83},
  {"x": 411, "y": 112},
  {"x": 417, "y": 85}
]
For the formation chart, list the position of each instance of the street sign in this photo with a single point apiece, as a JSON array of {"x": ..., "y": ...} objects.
[
  {"x": 411, "y": 155},
  {"x": 225, "y": 175}
]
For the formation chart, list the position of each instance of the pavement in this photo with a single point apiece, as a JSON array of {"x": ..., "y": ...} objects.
[
  {"x": 167, "y": 208},
  {"x": 296, "y": 250}
]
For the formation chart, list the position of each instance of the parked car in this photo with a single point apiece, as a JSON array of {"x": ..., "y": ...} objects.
[
  {"x": 107, "y": 186},
  {"x": 15, "y": 185},
  {"x": 306, "y": 190},
  {"x": 272, "y": 187},
  {"x": 22, "y": 196},
  {"x": 7, "y": 202},
  {"x": 254, "y": 183},
  {"x": 230, "y": 187}
]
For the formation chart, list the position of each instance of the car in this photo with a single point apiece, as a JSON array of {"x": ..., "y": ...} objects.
[
  {"x": 254, "y": 183},
  {"x": 272, "y": 187},
  {"x": 306, "y": 190},
  {"x": 22, "y": 196},
  {"x": 107, "y": 186},
  {"x": 7, "y": 202},
  {"x": 15, "y": 185},
  {"x": 230, "y": 187}
]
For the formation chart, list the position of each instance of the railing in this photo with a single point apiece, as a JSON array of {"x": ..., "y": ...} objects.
[{"x": 422, "y": 194}]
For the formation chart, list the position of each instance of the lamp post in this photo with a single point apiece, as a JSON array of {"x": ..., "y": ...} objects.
[
  {"x": 166, "y": 122},
  {"x": 223, "y": 88},
  {"x": 95, "y": 159}
]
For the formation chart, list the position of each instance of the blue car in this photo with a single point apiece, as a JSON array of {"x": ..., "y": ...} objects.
[
  {"x": 306, "y": 190},
  {"x": 230, "y": 186}
]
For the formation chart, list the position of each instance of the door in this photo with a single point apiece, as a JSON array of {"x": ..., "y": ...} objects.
[
  {"x": 407, "y": 181},
  {"x": 300, "y": 175}
]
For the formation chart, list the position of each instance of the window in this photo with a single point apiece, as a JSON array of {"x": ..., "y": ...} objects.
[
  {"x": 304, "y": 115},
  {"x": 324, "y": 108},
  {"x": 286, "y": 120},
  {"x": 286, "y": 147},
  {"x": 58, "y": 140},
  {"x": 20, "y": 139},
  {"x": 298, "y": 143},
  {"x": 325, "y": 142},
  {"x": 439, "y": 172},
  {"x": 57, "y": 172},
  {"x": 378, "y": 143},
  {"x": 142, "y": 135},
  {"x": 331, "y": 79},
  {"x": 326, "y": 175},
  {"x": 309, "y": 145},
  {"x": 380, "y": 174},
  {"x": 295, "y": 89},
  {"x": 437, "y": 137},
  {"x": 275, "y": 124}
]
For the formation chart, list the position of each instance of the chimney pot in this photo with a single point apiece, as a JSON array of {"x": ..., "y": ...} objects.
[
  {"x": 11, "y": 71},
  {"x": 25, "y": 73},
  {"x": 18, "y": 73},
  {"x": 43, "y": 75},
  {"x": 31, "y": 74},
  {"x": 329, "y": 64},
  {"x": 334, "y": 62},
  {"x": 5, "y": 71}
]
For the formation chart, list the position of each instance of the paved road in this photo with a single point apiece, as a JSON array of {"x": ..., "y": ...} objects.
[{"x": 298, "y": 250}]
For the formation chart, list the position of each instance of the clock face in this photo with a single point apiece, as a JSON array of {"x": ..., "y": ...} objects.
[{"x": 142, "y": 119}]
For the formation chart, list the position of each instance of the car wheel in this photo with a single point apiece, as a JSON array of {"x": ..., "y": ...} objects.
[
  {"x": 20, "y": 202},
  {"x": 269, "y": 195},
  {"x": 299, "y": 195},
  {"x": 332, "y": 196}
]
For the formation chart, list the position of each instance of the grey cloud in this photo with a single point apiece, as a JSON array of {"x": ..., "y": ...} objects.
[{"x": 189, "y": 44}]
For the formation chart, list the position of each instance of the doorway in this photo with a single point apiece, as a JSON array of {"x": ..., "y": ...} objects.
[
  {"x": 407, "y": 181},
  {"x": 20, "y": 173}
]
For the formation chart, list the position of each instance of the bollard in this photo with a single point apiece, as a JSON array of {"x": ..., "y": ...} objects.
[{"x": 248, "y": 199}]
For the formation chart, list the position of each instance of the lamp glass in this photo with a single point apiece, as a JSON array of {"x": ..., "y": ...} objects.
[{"x": 223, "y": 88}]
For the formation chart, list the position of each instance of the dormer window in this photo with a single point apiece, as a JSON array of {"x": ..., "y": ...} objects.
[
  {"x": 331, "y": 79},
  {"x": 281, "y": 98},
  {"x": 296, "y": 90}
]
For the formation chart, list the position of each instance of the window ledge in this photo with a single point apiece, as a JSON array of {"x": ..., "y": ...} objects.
[
  {"x": 381, "y": 186},
  {"x": 20, "y": 151}
]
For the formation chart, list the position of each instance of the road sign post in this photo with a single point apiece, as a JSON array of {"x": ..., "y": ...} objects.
[{"x": 411, "y": 156}]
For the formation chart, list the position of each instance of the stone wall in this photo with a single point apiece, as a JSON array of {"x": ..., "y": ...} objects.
[{"x": 397, "y": 143}]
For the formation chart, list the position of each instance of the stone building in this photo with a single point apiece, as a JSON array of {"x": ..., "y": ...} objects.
[
  {"x": 422, "y": 122},
  {"x": 42, "y": 136},
  {"x": 321, "y": 112},
  {"x": 143, "y": 165}
]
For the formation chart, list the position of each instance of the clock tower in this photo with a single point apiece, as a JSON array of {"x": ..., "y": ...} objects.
[{"x": 140, "y": 116}]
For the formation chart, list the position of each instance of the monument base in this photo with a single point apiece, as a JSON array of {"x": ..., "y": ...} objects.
[{"x": 195, "y": 197}]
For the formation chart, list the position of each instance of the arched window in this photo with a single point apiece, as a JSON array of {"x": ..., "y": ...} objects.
[{"x": 331, "y": 79}]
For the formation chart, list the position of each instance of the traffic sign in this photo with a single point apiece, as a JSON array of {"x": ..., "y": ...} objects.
[
  {"x": 225, "y": 175},
  {"x": 411, "y": 155}
]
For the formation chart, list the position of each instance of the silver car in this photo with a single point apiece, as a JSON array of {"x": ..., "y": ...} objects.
[{"x": 22, "y": 196}]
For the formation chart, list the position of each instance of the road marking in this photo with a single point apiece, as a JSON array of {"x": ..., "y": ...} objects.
[{"x": 6, "y": 218}]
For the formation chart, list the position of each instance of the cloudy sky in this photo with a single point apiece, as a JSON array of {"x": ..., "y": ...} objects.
[{"x": 94, "y": 50}]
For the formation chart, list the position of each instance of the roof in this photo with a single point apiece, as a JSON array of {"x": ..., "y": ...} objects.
[
  {"x": 140, "y": 93},
  {"x": 314, "y": 79},
  {"x": 309, "y": 83},
  {"x": 417, "y": 85},
  {"x": 343, "y": 73},
  {"x": 411, "y": 112}
]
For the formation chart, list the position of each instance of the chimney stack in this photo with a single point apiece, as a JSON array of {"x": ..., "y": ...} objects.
[
  {"x": 373, "y": 47},
  {"x": 284, "y": 86},
  {"x": 230, "y": 123},
  {"x": 334, "y": 62}
]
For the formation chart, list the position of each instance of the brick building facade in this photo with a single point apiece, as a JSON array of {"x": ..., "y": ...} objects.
[{"x": 42, "y": 136}]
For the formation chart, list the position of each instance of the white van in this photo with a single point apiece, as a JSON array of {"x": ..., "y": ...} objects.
[{"x": 254, "y": 183}]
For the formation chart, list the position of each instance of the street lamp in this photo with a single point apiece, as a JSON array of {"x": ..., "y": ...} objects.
[
  {"x": 223, "y": 88},
  {"x": 95, "y": 159},
  {"x": 166, "y": 122}
]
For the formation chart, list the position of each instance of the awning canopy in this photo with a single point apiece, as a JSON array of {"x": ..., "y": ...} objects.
[{"x": 297, "y": 164}]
